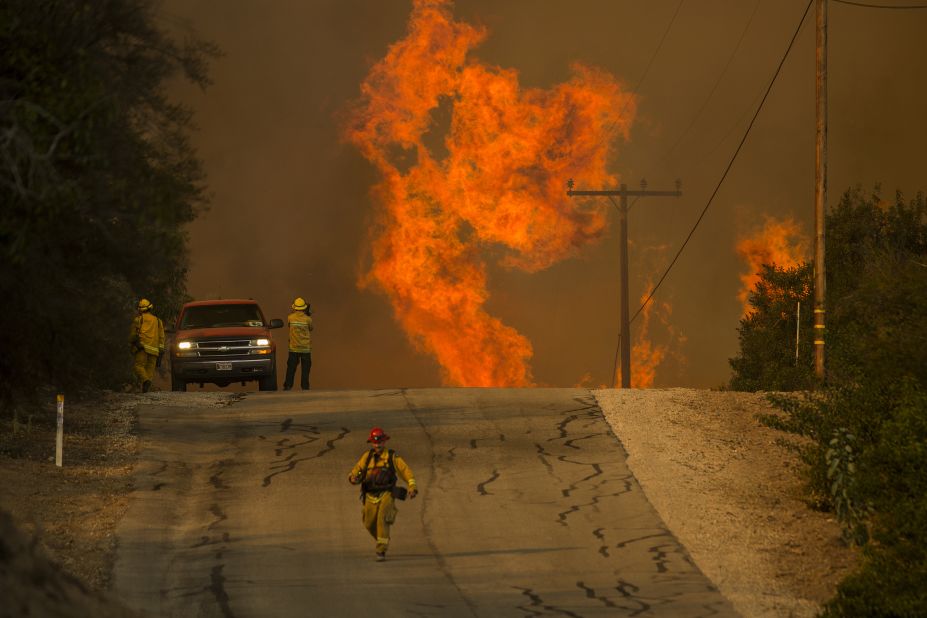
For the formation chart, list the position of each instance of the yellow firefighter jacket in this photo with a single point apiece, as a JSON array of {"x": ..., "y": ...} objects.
[
  {"x": 380, "y": 462},
  {"x": 300, "y": 325},
  {"x": 148, "y": 332}
]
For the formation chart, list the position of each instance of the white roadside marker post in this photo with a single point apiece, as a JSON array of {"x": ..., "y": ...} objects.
[{"x": 59, "y": 438}]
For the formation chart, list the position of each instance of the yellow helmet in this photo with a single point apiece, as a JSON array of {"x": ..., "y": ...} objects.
[
  {"x": 145, "y": 305},
  {"x": 299, "y": 304}
]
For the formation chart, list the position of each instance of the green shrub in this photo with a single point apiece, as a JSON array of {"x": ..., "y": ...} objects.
[
  {"x": 868, "y": 424},
  {"x": 767, "y": 359},
  {"x": 893, "y": 578}
]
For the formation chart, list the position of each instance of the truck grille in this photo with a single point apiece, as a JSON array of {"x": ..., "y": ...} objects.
[{"x": 228, "y": 347}]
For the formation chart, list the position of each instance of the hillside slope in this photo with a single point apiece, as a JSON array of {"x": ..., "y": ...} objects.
[{"x": 731, "y": 492}]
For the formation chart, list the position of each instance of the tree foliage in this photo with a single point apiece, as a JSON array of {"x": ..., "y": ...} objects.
[
  {"x": 780, "y": 321},
  {"x": 868, "y": 424},
  {"x": 876, "y": 285},
  {"x": 98, "y": 180}
]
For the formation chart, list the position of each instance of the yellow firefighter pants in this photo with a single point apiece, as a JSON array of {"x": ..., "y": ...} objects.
[
  {"x": 378, "y": 515},
  {"x": 144, "y": 366}
]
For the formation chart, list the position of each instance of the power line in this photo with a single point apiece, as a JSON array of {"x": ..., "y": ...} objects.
[
  {"x": 729, "y": 165},
  {"x": 711, "y": 93},
  {"x": 624, "y": 192},
  {"x": 739, "y": 121},
  {"x": 653, "y": 57},
  {"x": 727, "y": 65},
  {"x": 883, "y": 6},
  {"x": 659, "y": 47},
  {"x": 698, "y": 114},
  {"x": 636, "y": 90}
]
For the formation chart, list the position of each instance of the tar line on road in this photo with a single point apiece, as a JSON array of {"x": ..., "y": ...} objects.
[{"x": 527, "y": 508}]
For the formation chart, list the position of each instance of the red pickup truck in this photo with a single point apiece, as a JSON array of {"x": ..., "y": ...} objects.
[{"x": 221, "y": 342}]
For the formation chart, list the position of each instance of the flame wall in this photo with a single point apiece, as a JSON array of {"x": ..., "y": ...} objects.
[
  {"x": 780, "y": 242},
  {"x": 494, "y": 183}
]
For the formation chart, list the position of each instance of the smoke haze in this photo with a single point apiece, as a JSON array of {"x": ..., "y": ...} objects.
[{"x": 292, "y": 200}]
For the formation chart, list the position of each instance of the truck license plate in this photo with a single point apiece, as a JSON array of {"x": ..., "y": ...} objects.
[{"x": 223, "y": 366}]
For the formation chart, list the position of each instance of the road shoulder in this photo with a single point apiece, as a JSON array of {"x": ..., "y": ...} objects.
[{"x": 731, "y": 492}]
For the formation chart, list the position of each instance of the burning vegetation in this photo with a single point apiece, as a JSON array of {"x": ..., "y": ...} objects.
[
  {"x": 494, "y": 180},
  {"x": 778, "y": 243}
]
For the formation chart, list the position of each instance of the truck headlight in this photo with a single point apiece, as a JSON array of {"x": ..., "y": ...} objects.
[
  {"x": 184, "y": 345},
  {"x": 262, "y": 342}
]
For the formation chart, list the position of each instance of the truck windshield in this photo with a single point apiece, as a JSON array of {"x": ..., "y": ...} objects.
[{"x": 217, "y": 316}]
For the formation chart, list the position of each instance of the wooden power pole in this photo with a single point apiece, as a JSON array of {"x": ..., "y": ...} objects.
[
  {"x": 820, "y": 182},
  {"x": 623, "y": 192}
]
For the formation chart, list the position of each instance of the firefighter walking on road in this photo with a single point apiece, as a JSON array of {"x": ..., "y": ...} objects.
[
  {"x": 377, "y": 472},
  {"x": 147, "y": 340},
  {"x": 300, "y": 350}
]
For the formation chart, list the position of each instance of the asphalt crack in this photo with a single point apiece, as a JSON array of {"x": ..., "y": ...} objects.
[
  {"x": 590, "y": 593},
  {"x": 629, "y": 592},
  {"x": 473, "y": 442},
  {"x": 481, "y": 487},
  {"x": 537, "y": 601},
  {"x": 219, "y": 514},
  {"x": 216, "y": 479},
  {"x": 599, "y": 533},
  {"x": 426, "y": 527},
  {"x": 290, "y": 463},
  {"x": 544, "y": 456},
  {"x": 217, "y": 587},
  {"x": 597, "y": 471}
]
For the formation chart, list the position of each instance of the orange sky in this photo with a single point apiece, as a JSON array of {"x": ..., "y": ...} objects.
[{"x": 293, "y": 202}]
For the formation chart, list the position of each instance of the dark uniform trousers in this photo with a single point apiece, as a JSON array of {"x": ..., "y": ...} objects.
[{"x": 304, "y": 359}]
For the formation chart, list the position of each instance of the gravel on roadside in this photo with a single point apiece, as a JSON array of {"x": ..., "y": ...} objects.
[
  {"x": 731, "y": 492},
  {"x": 57, "y": 525}
]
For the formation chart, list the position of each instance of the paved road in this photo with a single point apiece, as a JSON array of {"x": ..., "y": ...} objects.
[{"x": 527, "y": 509}]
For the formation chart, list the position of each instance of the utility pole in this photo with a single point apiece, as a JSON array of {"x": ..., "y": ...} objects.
[
  {"x": 820, "y": 181},
  {"x": 623, "y": 192}
]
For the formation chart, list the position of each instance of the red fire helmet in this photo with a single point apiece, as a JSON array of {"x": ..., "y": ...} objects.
[{"x": 377, "y": 435}]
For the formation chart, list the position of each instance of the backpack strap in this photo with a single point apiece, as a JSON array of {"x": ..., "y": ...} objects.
[
  {"x": 389, "y": 470},
  {"x": 366, "y": 464},
  {"x": 363, "y": 472}
]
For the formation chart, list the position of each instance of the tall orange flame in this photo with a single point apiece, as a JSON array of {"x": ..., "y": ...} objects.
[
  {"x": 779, "y": 242},
  {"x": 501, "y": 183},
  {"x": 646, "y": 355}
]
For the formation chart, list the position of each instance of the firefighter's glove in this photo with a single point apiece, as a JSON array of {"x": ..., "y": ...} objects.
[
  {"x": 412, "y": 492},
  {"x": 352, "y": 479}
]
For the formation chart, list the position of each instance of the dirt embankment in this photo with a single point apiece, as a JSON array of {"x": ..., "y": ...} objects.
[
  {"x": 719, "y": 479},
  {"x": 732, "y": 493},
  {"x": 57, "y": 525}
]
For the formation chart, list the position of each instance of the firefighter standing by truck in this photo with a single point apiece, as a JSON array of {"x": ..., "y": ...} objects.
[
  {"x": 377, "y": 472},
  {"x": 300, "y": 348},
  {"x": 147, "y": 340}
]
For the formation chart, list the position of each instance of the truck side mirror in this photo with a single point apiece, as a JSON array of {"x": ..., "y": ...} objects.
[{"x": 276, "y": 323}]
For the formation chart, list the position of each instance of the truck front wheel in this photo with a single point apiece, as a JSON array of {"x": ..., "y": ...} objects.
[
  {"x": 177, "y": 384},
  {"x": 269, "y": 383}
]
